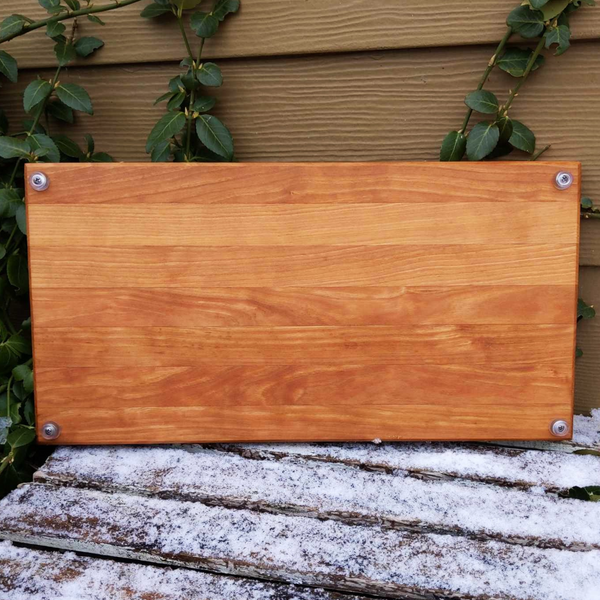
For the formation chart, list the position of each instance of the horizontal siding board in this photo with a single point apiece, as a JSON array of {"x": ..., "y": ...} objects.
[{"x": 269, "y": 27}]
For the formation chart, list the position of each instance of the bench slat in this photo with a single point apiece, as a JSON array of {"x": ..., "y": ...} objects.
[
  {"x": 553, "y": 471},
  {"x": 333, "y": 491},
  {"x": 27, "y": 574},
  {"x": 294, "y": 549}
]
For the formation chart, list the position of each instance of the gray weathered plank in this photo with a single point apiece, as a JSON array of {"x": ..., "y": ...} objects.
[
  {"x": 27, "y": 574},
  {"x": 329, "y": 490},
  {"x": 293, "y": 549}
]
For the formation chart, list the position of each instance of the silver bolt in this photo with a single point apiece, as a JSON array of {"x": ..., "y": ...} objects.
[
  {"x": 563, "y": 180},
  {"x": 50, "y": 431},
  {"x": 39, "y": 182},
  {"x": 560, "y": 428}
]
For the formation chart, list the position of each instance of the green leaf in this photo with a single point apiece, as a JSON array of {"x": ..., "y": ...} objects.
[
  {"x": 36, "y": 92},
  {"x": 60, "y": 111},
  {"x": 560, "y": 36},
  {"x": 553, "y": 8},
  {"x": 525, "y": 21},
  {"x": 176, "y": 101},
  {"x": 522, "y": 137},
  {"x": 482, "y": 139},
  {"x": 204, "y": 24},
  {"x": 11, "y": 26},
  {"x": 102, "y": 157},
  {"x": 16, "y": 270},
  {"x": 21, "y": 218},
  {"x": 54, "y": 29},
  {"x": 215, "y": 136},
  {"x": 154, "y": 10},
  {"x": 224, "y": 7},
  {"x": 91, "y": 144},
  {"x": 505, "y": 127},
  {"x": 67, "y": 146},
  {"x": 11, "y": 147},
  {"x": 161, "y": 152},
  {"x": 18, "y": 345},
  {"x": 88, "y": 45},
  {"x": 587, "y": 203},
  {"x": 170, "y": 125},
  {"x": 176, "y": 85},
  {"x": 39, "y": 140},
  {"x": 9, "y": 202},
  {"x": 163, "y": 98},
  {"x": 584, "y": 311},
  {"x": 210, "y": 75},
  {"x": 73, "y": 4},
  {"x": 8, "y": 66},
  {"x": 65, "y": 53},
  {"x": 25, "y": 374},
  {"x": 537, "y": 3},
  {"x": 48, "y": 4},
  {"x": 453, "y": 147},
  {"x": 29, "y": 411},
  {"x": 203, "y": 104},
  {"x": 482, "y": 101},
  {"x": 75, "y": 97},
  {"x": 21, "y": 436},
  {"x": 97, "y": 20},
  {"x": 514, "y": 61}
]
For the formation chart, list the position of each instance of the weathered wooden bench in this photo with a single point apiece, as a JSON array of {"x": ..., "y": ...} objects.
[{"x": 307, "y": 522}]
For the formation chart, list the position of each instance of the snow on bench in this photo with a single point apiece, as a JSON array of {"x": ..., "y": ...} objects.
[
  {"x": 337, "y": 491},
  {"x": 418, "y": 521},
  {"x": 27, "y": 574}
]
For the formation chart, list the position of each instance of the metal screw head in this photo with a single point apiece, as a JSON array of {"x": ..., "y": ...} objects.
[
  {"x": 560, "y": 428},
  {"x": 39, "y": 182},
  {"x": 50, "y": 431},
  {"x": 564, "y": 180}
]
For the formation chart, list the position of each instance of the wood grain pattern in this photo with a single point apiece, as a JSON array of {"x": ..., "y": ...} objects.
[
  {"x": 306, "y": 266},
  {"x": 264, "y": 319},
  {"x": 309, "y": 385},
  {"x": 439, "y": 186},
  {"x": 405, "y": 345},
  {"x": 269, "y": 27},
  {"x": 278, "y": 307}
]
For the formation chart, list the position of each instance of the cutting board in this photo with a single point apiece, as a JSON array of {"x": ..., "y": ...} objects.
[{"x": 314, "y": 302}]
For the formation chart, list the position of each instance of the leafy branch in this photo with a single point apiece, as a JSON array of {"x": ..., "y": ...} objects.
[
  {"x": 44, "y": 101},
  {"x": 546, "y": 20},
  {"x": 188, "y": 133},
  {"x": 17, "y": 25}
]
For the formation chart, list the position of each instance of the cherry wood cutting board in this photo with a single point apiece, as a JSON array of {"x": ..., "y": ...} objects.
[{"x": 269, "y": 301}]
